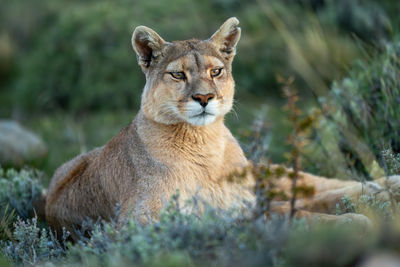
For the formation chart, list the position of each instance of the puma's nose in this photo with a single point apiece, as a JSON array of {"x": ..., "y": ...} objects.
[{"x": 203, "y": 99}]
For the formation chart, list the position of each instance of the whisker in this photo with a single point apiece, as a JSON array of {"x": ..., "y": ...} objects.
[{"x": 234, "y": 112}]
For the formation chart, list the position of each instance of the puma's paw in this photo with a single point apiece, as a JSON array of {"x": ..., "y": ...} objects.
[
  {"x": 374, "y": 189},
  {"x": 393, "y": 184},
  {"x": 371, "y": 188},
  {"x": 390, "y": 188}
]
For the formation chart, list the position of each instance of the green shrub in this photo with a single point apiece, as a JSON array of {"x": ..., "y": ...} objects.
[
  {"x": 6, "y": 220},
  {"x": 328, "y": 246},
  {"x": 82, "y": 62},
  {"x": 83, "y": 59},
  {"x": 18, "y": 191},
  {"x": 180, "y": 238},
  {"x": 369, "y": 102},
  {"x": 346, "y": 205},
  {"x": 215, "y": 236},
  {"x": 77, "y": 56},
  {"x": 32, "y": 244},
  {"x": 370, "y": 99},
  {"x": 177, "y": 238},
  {"x": 391, "y": 162},
  {"x": 359, "y": 132}
]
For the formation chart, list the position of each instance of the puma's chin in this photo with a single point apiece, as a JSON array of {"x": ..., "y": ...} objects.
[
  {"x": 199, "y": 115},
  {"x": 202, "y": 119}
]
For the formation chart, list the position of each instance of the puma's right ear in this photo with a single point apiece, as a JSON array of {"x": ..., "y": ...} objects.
[
  {"x": 227, "y": 37},
  {"x": 147, "y": 44}
]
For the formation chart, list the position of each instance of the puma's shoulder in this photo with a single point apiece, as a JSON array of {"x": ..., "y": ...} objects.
[{"x": 77, "y": 164}]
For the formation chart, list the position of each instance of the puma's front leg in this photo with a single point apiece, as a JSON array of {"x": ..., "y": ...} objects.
[
  {"x": 319, "y": 183},
  {"x": 283, "y": 207},
  {"x": 326, "y": 201},
  {"x": 328, "y": 192},
  {"x": 391, "y": 186}
]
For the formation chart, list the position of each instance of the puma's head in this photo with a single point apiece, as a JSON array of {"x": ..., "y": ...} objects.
[{"x": 187, "y": 81}]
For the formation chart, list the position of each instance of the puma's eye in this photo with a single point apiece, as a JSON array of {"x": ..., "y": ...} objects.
[
  {"x": 215, "y": 72},
  {"x": 178, "y": 75}
]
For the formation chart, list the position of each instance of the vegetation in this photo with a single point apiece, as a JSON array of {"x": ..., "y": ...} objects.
[
  {"x": 18, "y": 191},
  {"x": 217, "y": 237},
  {"x": 67, "y": 71},
  {"x": 102, "y": 73},
  {"x": 361, "y": 114}
]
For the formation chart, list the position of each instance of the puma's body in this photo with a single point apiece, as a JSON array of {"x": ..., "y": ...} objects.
[
  {"x": 178, "y": 141},
  {"x": 142, "y": 167}
]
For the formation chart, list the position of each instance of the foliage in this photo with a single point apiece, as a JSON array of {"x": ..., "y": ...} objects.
[
  {"x": 194, "y": 239},
  {"x": 180, "y": 238},
  {"x": 32, "y": 244},
  {"x": 369, "y": 99},
  {"x": 383, "y": 209},
  {"x": 18, "y": 191},
  {"x": 391, "y": 162},
  {"x": 358, "y": 133},
  {"x": 67, "y": 136},
  {"x": 346, "y": 205},
  {"x": 77, "y": 56},
  {"x": 267, "y": 175},
  {"x": 6, "y": 220},
  {"x": 328, "y": 246}
]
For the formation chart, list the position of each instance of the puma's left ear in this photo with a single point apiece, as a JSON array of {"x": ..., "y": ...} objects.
[
  {"x": 147, "y": 44},
  {"x": 227, "y": 37}
]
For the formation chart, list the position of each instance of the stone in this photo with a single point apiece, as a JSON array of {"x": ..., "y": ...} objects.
[{"x": 19, "y": 145}]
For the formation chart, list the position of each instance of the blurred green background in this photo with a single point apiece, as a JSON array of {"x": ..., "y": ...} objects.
[{"x": 68, "y": 72}]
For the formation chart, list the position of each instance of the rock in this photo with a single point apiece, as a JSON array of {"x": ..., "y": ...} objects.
[
  {"x": 381, "y": 259},
  {"x": 19, "y": 145}
]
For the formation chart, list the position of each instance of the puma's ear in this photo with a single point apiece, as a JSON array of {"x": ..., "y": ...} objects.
[
  {"x": 147, "y": 44},
  {"x": 227, "y": 37}
]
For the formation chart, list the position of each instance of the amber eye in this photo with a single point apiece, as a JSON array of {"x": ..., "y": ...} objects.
[
  {"x": 215, "y": 72},
  {"x": 178, "y": 75}
]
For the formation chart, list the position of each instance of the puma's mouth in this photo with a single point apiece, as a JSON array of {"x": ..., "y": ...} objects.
[
  {"x": 201, "y": 119},
  {"x": 202, "y": 114},
  {"x": 198, "y": 115}
]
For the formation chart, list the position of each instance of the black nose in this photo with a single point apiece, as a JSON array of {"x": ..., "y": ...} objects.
[{"x": 203, "y": 99}]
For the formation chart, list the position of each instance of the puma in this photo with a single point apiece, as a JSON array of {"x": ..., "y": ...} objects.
[{"x": 177, "y": 140}]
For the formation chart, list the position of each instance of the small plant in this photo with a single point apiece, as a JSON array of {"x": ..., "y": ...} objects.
[
  {"x": 346, "y": 205},
  {"x": 392, "y": 162},
  {"x": 384, "y": 210},
  {"x": 18, "y": 191},
  {"x": 297, "y": 140},
  {"x": 215, "y": 235},
  {"x": 267, "y": 175},
  {"x": 362, "y": 112},
  {"x": 32, "y": 244},
  {"x": 6, "y": 220}
]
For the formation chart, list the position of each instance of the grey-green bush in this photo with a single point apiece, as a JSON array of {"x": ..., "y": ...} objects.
[
  {"x": 33, "y": 245},
  {"x": 77, "y": 55},
  {"x": 358, "y": 135},
  {"x": 180, "y": 239},
  {"x": 369, "y": 99},
  {"x": 18, "y": 191}
]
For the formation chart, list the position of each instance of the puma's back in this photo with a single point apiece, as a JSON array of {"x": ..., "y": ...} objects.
[{"x": 177, "y": 141}]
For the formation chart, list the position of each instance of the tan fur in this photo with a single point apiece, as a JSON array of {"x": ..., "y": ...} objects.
[
  {"x": 161, "y": 151},
  {"x": 168, "y": 145}
]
